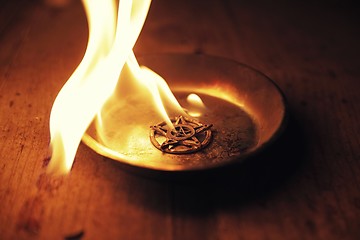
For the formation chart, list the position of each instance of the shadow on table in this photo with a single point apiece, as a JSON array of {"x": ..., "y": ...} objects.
[{"x": 253, "y": 180}]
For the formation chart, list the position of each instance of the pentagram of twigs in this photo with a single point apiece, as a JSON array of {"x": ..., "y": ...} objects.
[{"x": 186, "y": 135}]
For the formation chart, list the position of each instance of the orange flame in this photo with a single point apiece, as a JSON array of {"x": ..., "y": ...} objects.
[
  {"x": 107, "y": 62},
  {"x": 197, "y": 107}
]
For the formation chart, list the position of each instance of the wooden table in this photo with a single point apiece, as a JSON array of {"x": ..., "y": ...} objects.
[{"x": 306, "y": 186}]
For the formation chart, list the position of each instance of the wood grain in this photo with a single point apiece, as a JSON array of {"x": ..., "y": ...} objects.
[{"x": 306, "y": 186}]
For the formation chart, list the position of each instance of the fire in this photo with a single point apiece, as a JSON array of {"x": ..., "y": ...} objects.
[
  {"x": 197, "y": 107},
  {"x": 108, "y": 72}
]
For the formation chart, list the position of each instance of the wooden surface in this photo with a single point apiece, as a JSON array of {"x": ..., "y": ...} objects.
[{"x": 306, "y": 186}]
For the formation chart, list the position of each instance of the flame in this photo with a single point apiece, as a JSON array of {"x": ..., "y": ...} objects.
[
  {"x": 196, "y": 105},
  {"x": 215, "y": 89},
  {"x": 108, "y": 71}
]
